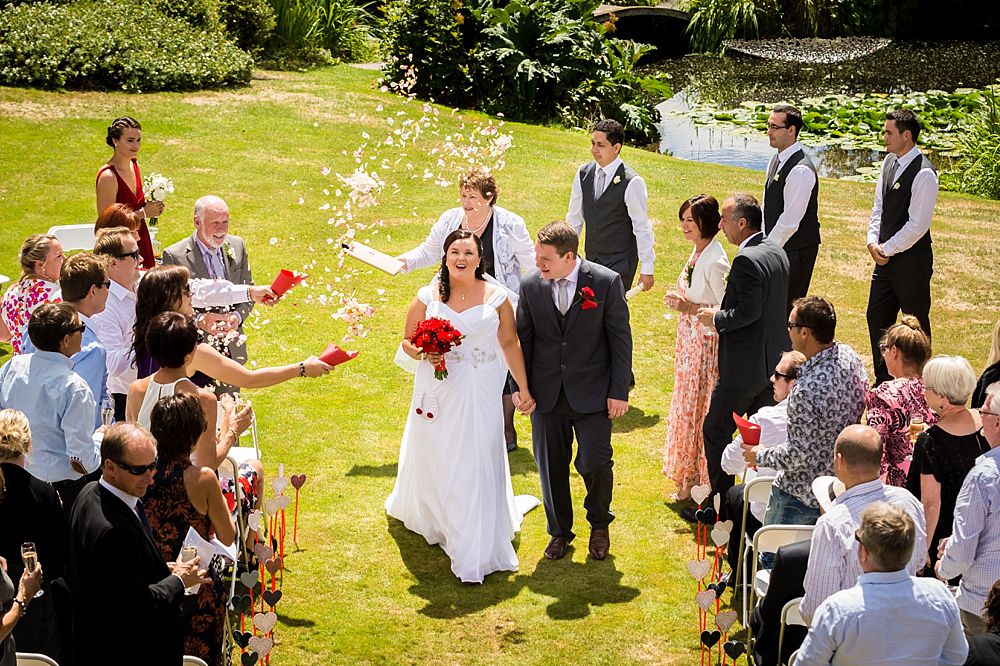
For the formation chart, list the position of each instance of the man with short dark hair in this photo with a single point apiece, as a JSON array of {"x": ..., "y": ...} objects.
[
  {"x": 574, "y": 330},
  {"x": 828, "y": 396},
  {"x": 973, "y": 549},
  {"x": 751, "y": 337},
  {"x": 889, "y": 616},
  {"x": 57, "y": 401},
  {"x": 119, "y": 581},
  {"x": 899, "y": 237},
  {"x": 791, "y": 195},
  {"x": 610, "y": 198}
]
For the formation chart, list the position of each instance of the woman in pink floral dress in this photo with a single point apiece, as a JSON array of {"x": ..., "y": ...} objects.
[
  {"x": 892, "y": 404},
  {"x": 41, "y": 260},
  {"x": 701, "y": 283}
]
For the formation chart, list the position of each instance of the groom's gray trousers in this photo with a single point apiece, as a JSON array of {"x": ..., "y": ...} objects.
[{"x": 552, "y": 436}]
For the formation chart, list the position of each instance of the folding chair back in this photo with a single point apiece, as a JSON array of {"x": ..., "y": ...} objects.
[
  {"x": 191, "y": 660},
  {"x": 74, "y": 236},
  {"x": 32, "y": 659},
  {"x": 792, "y": 659},
  {"x": 769, "y": 539},
  {"x": 755, "y": 490},
  {"x": 790, "y": 615}
]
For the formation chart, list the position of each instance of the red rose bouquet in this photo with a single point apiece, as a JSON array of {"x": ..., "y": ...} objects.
[{"x": 436, "y": 336}]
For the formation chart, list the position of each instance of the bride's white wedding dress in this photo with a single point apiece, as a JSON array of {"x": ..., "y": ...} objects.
[{"x": 453, "y": 481}]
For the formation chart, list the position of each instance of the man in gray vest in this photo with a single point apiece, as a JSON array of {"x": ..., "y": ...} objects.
[
  {"x": 899, "y": 237},
  {"x": 790, "y": 204},
  {"x": 611, "y": 199}
]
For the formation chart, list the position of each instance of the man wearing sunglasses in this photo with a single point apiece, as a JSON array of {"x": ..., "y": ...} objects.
[
  {"x": 57, "y": 401},
  {"x": 122, "y": 588}
]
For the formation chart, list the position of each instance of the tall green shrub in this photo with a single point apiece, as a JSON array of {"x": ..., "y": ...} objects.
[
  {"x": 315, "y": 30},
  {"x": 979, "y": 144},
  {"x": 248, "y": 22}
]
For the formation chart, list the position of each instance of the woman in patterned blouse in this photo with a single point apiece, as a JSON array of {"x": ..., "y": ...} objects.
[
  {"x": 891, "y": 405},
  {"x": 41, "y": 260}
]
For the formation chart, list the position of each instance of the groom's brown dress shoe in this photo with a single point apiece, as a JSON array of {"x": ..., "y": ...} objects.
[
  {"x": 556, "y": 550},
  {"x": 600, "y": 541}
]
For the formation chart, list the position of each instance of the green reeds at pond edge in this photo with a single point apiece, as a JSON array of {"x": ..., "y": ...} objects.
[{"x": 305, "y": 27}]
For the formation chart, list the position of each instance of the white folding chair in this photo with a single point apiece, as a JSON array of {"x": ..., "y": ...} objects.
[
  {"x": 755, "y": 490},
  {"x": 4, "y": 279},
  {"x": 32, "y": 659},
  {"x": 194, "y": 661},
  {"x": 74, "y": 236},
  {"x": 241, "y": 454},
  {"x": 769, "y": 539},
  {"x": 790, "y": 616},
  {"x": 792, "y": 659}
]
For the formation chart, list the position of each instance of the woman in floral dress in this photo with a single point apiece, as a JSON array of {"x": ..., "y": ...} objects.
[
  {"x": 702, "y": 283},
  {"x": 41, "y": 260},
  {"x": 892, "y": 404}
]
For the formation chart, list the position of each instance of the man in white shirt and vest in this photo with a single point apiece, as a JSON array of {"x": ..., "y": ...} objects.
[
  {"x": 790, "y": 203},
  {"x": 899, "y": 237},
  {"x": 610, "y": 199}
]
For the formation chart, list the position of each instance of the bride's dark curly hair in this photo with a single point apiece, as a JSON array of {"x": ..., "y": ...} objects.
[{"x": 444, "y": 283}]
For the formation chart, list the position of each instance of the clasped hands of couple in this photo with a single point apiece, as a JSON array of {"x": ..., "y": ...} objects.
[
  {"x": 220, "y": 323},
  {"x": 706, "y": 316},
  {"x": 616, "y": 408}
]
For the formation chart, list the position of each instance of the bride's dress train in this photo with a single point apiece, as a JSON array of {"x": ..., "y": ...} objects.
[{"x": 453, "y": 482}]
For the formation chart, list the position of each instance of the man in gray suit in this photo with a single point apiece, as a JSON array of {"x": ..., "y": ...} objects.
[
  {"x": 752, "y": 331},
  {"x": 211, "y": 252}
]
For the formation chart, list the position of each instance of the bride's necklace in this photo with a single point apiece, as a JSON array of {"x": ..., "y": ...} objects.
[{"x": 478, "y": 229}]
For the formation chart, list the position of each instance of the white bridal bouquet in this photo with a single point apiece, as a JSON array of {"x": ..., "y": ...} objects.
[{"x": 156, "y": 187}]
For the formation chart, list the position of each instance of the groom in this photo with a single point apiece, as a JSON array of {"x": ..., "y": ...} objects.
[{"x": 573, "y": 324}]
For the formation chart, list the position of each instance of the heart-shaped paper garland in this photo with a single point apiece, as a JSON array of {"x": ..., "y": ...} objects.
[
  {"x": 705, "y": 599},
  {"x": 279, "y": 484},
  {"x": 725, "y": 620},
  {"x": 699, "y": 568},
  {"x": 298, "y": 480},
  {"x": 241, "y": 638},
  {"x": 271, "y": 598},
  {"x": 248, "y": 658},
  {"x": 265, "y": 621},
  {"x": 250, "y": 579},
  {"x": 734, "y": 649},
  {"x": 260, "y": 644},
  {"x": 700, "y": 493},
  {"x": 710, "y": 638}
]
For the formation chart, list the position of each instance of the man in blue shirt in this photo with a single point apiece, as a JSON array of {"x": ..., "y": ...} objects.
[
  {"x": 85, "y": 285},
  {"x": 57, "y": 401},
  {"x": 889, "y": 617}
]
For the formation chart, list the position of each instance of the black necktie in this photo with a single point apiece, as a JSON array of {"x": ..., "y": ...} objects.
[{"x": 141, "y": 511}]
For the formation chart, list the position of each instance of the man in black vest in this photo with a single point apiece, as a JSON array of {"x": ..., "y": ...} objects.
[
  {"x": 899, "y": 237},
  {"x": 790, "y": 200},
  {"x": 611, "y": 199}
]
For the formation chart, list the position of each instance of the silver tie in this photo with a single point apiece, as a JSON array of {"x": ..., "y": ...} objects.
[
  {"x": 772, "y": 169},
  {"x": 890, "y": 177},
  {"x": 599, "y": 184},
  {"x": 563, "y": 295}
]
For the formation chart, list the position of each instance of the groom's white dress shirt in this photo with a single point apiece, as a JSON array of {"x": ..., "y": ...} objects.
[{"x": 571, "y": 281}]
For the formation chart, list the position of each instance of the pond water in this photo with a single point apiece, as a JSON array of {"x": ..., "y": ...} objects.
[{"x": 727, "y": 81}]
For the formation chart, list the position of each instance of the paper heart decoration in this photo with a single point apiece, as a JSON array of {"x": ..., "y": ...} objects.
[
  {"x": 253, "y": 520},
  {"x": 248, "y": 658},
  {"x": 706, "y": 516},
  {"x": 279, "y": 484},
  {"x": 734, "y": 649},
  {"x": 271, "y": 598},
  {"x": 705, "y": 599},
  {"x": 271, "y": 506},
  {"x": 725, "y": 620},
  {"x": 241, "y": 603},
  {"x": 273, "y": 565},
  {"x": 263, "y": 551},
  {"x": 717, "y": 502},
  {"x": 720, "y": 537},
  {"x": 282, "y": 502},
  {"x": 710, "y": 638},
  {"x": 250, "y": 578},
  {"x": 241, "y": 638},
  {"x": 725, "y": 525},
  {"x": 718, "y": 588},
  {"x": 298, "y": 480},
  {"x": 261, "y": 645},
  {"x": 699, "y": 568},
  {"x": 281, "y": 470},
  {"x": 700, "y": 493},
  {"x": 265, "y": 621}
]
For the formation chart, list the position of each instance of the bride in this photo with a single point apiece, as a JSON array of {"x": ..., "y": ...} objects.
[{"x": 453, "y": 484}]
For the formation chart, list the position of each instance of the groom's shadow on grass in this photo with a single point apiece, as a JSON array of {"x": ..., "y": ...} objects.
[
  {"x": 576, "y": 587},
  {"x": 446, "y": 596}
]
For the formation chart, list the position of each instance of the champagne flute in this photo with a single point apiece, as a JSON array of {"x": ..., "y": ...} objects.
[
  {"x": 188, "y": 553},
  {"x": 916, "y": 427},
  {"x": 30, "y": 557}
]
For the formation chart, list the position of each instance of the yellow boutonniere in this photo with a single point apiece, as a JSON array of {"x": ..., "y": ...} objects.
[
  {"x": 896, "y": 186},
  {"x": 777, "y": 177},
  {"x": 616, "y": 180}
]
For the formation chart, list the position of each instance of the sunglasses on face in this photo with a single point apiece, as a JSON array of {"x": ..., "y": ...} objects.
[
  {"x": 76, "y": 329},
  {"x": 786, "y": 376},
  {"x": 137, "y": 470},
  {"x": 128, "y": 255}
]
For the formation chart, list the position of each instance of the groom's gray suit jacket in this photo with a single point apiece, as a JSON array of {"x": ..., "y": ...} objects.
[{"x": 587, "y": 353}]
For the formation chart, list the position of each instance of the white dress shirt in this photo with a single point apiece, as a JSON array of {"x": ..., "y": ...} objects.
[
  {"x": 797, "y": 190},
  {"x": 635, "y": 202},
  {"x": 571, "y": 280},
  {"x": 773, "y": 422},
  {"x": 748, "y": 239},
  {"x": 833, "y": 552},
  {"x": 887, "y": 618},
  {"x": 130, "y": 500},
  {"x": 923, "y": 195},
  {"x": 973, "y": 551}
]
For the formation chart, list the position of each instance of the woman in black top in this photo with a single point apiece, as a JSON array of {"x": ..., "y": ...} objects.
[
  {"x": 991, "y": 373},
  {"x": 984, "y": 649}
]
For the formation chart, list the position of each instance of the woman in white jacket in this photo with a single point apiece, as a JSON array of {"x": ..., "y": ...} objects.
[
  {"x": 508, "y": 249},
  {"x": 702, "y": 283}
]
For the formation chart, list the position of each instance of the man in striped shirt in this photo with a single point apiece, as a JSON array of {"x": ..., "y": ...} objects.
[{"x": 973, "y": 549}]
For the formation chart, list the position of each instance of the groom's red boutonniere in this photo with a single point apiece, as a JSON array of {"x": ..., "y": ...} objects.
[{"x": 585, "y": 297}]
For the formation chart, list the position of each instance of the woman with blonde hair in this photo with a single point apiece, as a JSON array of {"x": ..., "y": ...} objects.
[
  {"x": 892, "y": 405},
  {"x": 29, "y": 512},
  {"x": 991, "y": 373},
  {"x": 41, "y": 260},
  {"x": 945, "y": 452}
]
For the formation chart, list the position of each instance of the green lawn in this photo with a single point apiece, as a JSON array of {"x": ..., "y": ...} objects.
[{"x": 362, "y": 589}]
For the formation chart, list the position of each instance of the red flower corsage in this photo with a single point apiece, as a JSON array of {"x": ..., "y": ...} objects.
[{"x": 585, "y": 297}]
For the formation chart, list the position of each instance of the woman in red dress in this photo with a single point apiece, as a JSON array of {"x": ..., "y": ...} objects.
[{"x": 119, "y": 181}]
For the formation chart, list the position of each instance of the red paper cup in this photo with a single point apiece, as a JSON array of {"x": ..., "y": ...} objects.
[
  {"x": 334, "y": 355},
  {"x": 285, "y": 280},
  {"x": 749, "y": 431}
]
